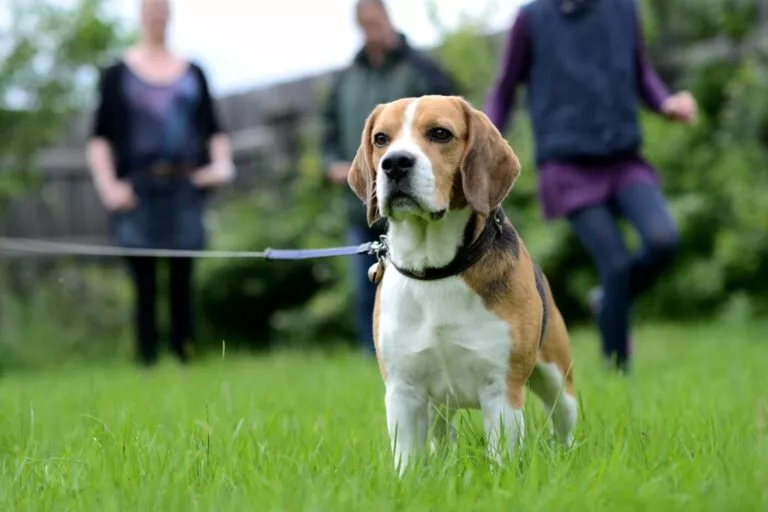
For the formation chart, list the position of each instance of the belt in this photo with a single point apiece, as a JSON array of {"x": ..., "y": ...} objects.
[{"x": 168, "y": 169}]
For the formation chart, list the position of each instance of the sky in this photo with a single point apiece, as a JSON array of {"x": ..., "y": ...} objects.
[{"x": 244, "y": 44}]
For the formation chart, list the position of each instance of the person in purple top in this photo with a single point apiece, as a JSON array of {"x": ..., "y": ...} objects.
[{"x": 585, "y": 67}]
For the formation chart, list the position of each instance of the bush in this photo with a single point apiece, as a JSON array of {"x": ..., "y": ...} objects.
[
  {"x": 253, "y": 302},
  {"x": 51, "y": 314}
]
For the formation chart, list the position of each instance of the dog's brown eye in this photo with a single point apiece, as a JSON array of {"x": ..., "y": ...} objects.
[
  {"x": 380, "y": 139},
  {"x": 439, "y": 135}
]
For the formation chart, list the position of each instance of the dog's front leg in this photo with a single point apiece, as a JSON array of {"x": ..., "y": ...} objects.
[
  {"x": 407, "y": 422},
  {"x": 503, "y": 422},
  {"x": 443, "y": 430}
]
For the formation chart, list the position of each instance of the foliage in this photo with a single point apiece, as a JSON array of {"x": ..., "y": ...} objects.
[
  {"x": 54, "y": 314},
  {"x": 464, "y": 53},
  {"x": 716, "y": 176},
  {"x": 695, "y": 20},
  {"x": 48, "y": 59},
  {"x": 47, "y": 55}
]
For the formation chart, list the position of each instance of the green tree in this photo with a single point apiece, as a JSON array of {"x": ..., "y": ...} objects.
[{"x": 48, "y": 59}]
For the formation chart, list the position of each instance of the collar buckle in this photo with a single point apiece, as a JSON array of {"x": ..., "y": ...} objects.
[{"x": 498, "y": 220}]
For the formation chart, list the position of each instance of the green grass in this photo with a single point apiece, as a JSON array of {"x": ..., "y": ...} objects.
[{"x": 306, "y": 432}]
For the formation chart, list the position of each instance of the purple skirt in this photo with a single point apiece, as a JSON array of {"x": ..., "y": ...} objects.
[{"x": 565, "y": 187}]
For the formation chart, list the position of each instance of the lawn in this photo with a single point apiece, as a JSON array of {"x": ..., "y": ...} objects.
[{"x": 306, "y": 432}]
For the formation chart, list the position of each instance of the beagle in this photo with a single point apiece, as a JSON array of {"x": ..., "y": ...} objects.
[{"x": 463, "y": 318}]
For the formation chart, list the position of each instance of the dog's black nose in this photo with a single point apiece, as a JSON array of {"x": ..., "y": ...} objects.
[{"x": 397, "y": 164}]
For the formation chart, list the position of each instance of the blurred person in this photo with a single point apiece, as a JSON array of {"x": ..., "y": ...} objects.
[
  {"x": 386, "y": 68},
  {"x": 156, "y": 146},
  {"x": 585, "y": 65}
]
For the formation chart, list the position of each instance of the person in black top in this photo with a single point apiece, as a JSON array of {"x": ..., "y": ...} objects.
[{"x": 156, "y": 145}]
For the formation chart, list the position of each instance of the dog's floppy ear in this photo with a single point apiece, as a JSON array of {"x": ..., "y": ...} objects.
[
  {"x": 362, "y": 174},
  {"x": 489, "y": 167}
]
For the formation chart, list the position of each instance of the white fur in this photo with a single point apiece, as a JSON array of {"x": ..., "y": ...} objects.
[
  {"x": 439, "y": 344},
  {"x": 421, "y": 181},
  {"x": 547, "y": 383}
]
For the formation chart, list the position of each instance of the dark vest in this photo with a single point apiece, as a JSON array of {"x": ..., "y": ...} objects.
[{"x": 582, "y": 86}]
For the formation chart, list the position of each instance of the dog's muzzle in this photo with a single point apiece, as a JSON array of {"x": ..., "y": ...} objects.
[{"x": 397, "y": 165}]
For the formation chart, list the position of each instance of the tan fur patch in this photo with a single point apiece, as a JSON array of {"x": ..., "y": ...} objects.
[
  {"x": 557, "y": 347},
  {"x": 376, "y": 323},
  {"x": 519, "y": 305},
  {"x": 516, "y": 302}
]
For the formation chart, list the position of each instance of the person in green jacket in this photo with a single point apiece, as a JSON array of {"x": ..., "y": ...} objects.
[{"x": 385, "y": 69}]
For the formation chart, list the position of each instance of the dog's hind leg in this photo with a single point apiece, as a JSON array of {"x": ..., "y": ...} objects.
[
  {"x": 552, "y": 377},
  {"x": 547, "y": 381}
]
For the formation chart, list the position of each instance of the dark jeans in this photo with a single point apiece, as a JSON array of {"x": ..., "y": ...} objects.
[
  {"x": 169, "y": 215},
  {"x": 365, "y": 291},
  {"x": 625, "y": 276},
  {"x": 143, "y": 272}
]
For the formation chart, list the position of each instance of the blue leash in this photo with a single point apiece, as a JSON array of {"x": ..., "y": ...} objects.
[
  {"x": 25, "y": 245},
  {"x": 305, "y": 254}
]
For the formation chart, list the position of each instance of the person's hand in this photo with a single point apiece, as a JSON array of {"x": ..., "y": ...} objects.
[
  {"x": 119, "y": 196},
  {"x": 680, "y": 107},
  {"x": 338, "y": 172},
  {"x": 215, "y": 174}
]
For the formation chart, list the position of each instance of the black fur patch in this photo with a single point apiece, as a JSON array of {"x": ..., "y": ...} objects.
[
  {"x": 508, "y": 243},
  {"x": 544, "y": 304}
]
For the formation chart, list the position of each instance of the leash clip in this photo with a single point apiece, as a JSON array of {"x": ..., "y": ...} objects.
[{"x": 380, "y": 248}]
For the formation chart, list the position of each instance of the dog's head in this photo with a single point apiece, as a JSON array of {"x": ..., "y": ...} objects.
[{"x": 424, "y": 156}]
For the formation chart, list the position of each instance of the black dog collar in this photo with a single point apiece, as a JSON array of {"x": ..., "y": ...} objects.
[{"x": 467, "y": 255}]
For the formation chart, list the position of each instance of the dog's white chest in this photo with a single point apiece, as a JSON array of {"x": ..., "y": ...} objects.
[{"x": 438, "y": 337}]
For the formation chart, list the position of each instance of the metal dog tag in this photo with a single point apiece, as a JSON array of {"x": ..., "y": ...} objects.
[{"x": 376, "y": 272}]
